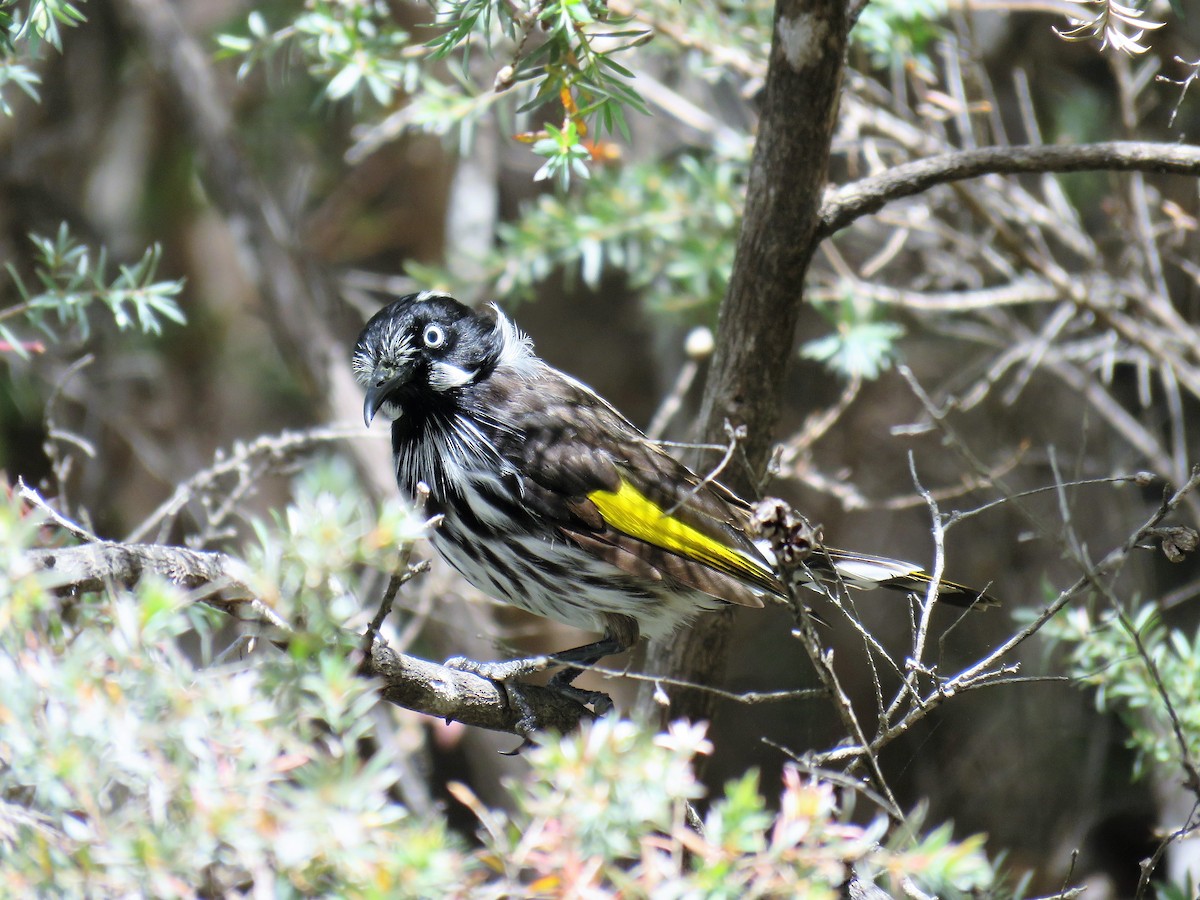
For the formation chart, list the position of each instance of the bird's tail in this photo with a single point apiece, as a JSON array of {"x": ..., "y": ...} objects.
[{"x": 860, "y": 570}]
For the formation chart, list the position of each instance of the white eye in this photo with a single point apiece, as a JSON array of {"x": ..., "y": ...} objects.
[{"x": 433, "y": 337}]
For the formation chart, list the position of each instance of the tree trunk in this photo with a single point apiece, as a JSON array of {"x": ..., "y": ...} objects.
[{"x": 758, "y": 316}]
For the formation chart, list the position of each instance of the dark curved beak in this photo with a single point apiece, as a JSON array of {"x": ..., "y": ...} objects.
[{"x": 377, "y": 395}]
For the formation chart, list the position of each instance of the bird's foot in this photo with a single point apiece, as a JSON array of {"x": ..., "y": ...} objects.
[
  {"x": 561, "y": 684},
  {"x": 503, "y": 670},
  {"x": 599, "y": 701}
]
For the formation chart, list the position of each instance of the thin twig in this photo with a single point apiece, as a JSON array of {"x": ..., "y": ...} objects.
[
  {"x": 249, "y": 462},
  {"x": 1148, "y": 866},
  {"x": 841, "y": 779},
  {"x": 403, "y": 573},
  {"x": 36, "y": 500},
  {"x": 937, "y": 529}
]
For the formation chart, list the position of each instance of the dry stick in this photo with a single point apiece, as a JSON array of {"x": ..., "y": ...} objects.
[
  {"x": 748, "y": 698},
  {"x": 736, "y": 435},
  {"x": 978, "y": 674},
  {"x": 273, "y": 451},
  {"x": 938, "y": 416},
  {"x": 832, "y": 776},
  {"x": 852, "y": 499},
  {"x": 1179, "y": 436},
  {"x": 817, "y": 424},
  {"x": 1064, "y": 513},
  {"x": 823, "y": 662},
  {"x": 1183, "y": 84},
  {"x": 727, "y": 57},
  {"x": 1139, "y": 202},
  {"x": 1035, "y": 351},
  {"x": 1183, "y": 593},
  {"x": 1139, "y": 336},
  {"x": 403, "y": 573},
  {"x": 1159, "y": 344},
  {"x": 981, "y": 674},
  {"x": 1143, "y": 479},
  {"x": 1149, "y": 865},
  {"x": 1116, "y": 155},
  {"x": 1021, "y": 292},
  {"x": 34, "y": 499},
  {"x": 915, "y": 665},
  {"x": 1062, "y": 213},
  {"x": 60, "y": 465},
  {"x": 937, "y": 529},
  {"x": 670, "y": 404},
  {"x": 397, "y": 580},
  {"x": 844, "y": 603}
]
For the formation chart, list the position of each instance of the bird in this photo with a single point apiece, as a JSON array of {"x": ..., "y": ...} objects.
[{"x": 554, "y": 502}]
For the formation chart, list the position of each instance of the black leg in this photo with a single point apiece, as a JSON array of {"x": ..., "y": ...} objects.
[{"x": 620, "y": 635}]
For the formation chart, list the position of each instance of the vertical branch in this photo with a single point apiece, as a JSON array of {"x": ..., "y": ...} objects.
[{"x": 758, "y": 316}]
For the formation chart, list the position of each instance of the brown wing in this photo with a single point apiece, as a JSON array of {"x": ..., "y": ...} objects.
[{"x": 569, "y": 444}]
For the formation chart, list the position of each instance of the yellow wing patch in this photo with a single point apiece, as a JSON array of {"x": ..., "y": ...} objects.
[{"x": 628, "y": 510}]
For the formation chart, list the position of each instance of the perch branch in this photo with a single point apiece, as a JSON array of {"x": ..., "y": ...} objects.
[{"x": 223, "y": 581}]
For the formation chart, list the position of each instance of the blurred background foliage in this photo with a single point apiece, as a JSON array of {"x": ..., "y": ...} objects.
[{"x": 584, "y": 163}]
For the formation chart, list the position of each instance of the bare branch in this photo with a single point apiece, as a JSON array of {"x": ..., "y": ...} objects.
[
  {"x": 871, "y": 194},
  {"x": 453, "y": 695},
  {"x": 249, "y": 462}
]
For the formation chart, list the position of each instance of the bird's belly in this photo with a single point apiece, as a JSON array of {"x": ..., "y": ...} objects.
[{"x": 540, "y": 572}]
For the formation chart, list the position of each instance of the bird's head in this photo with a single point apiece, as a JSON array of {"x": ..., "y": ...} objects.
[{"x": 423, "y": 347}]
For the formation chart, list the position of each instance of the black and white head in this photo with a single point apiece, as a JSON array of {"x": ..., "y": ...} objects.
[{"x": 418, "y": 351}]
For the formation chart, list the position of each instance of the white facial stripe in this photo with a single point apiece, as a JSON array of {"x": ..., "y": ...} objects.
[
  {"x": 516, "y": 349},
  {"x": 443, "y": 376}
]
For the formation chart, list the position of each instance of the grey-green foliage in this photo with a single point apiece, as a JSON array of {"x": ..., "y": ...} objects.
[
  {"x": 22, "y": 34},
  {"x": 615, "y": 796},
  {"x": 668, "y": 225},
  {"x": 356, "y": 50},
  {"x": 897, "y": 32},
  {"x": 861, "y": 346},
  {"x": 1114, "y": 655},
  {"x": 69, "y": 278},
  {"x": 1149, "y": 676},
  {"x": 129, "y": 767}
]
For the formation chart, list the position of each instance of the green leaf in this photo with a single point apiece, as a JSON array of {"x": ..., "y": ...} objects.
[{"x": 859, "y": 350}]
